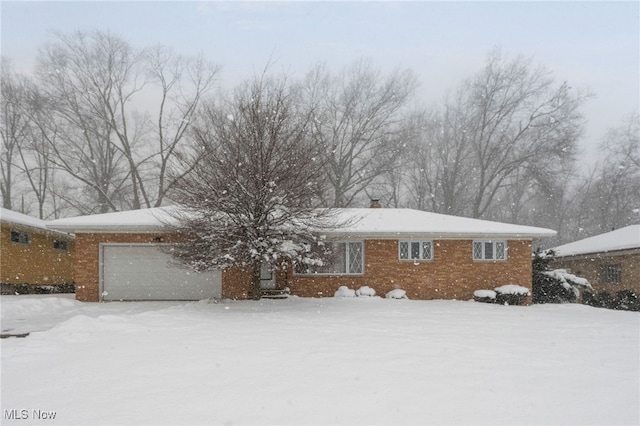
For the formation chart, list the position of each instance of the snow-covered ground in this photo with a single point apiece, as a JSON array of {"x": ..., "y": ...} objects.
[{"x": 348, "y": 361}]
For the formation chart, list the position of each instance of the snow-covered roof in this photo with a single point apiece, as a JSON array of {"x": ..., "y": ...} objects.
[
  {"x": 143, "y": 220},
  {"x": 620, "y": 239},
  {"x": 15, "y": 218},
  {"x": 371, "y": 223},
  {"x": 408, "y": 222},
  {"x": 9, "y": 216}
]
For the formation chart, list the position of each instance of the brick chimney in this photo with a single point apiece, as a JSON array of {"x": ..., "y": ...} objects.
[{"x": 375, "y": 203}]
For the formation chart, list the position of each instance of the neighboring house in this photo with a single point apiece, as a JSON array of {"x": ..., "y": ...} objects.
[
  {"x": 32, "y": 254},
  {"x": 119, "y": 256},
  {"x": 609, "y": 261}
]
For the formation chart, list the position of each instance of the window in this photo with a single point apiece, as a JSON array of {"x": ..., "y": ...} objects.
[
  {"x": 611, "y": 274},
  {"x": 61, "y": 245},
  {"x": 342, "y": 258},
  {"x": 20, "y": 237},
  {"x": 489, "y": 250},
  {"x": 415, "y": 250}
]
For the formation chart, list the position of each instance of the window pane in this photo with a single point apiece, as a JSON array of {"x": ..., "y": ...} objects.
[
  {"x": 426, "y": 249},
  {"x": 337, "y": 260},
  {"x": 500, "y": 252},
  {"x": 415, "y": 250},
  {"x": 404, "y": 250},
  {"x": 60, "y": 245},
  {"x": 19, "y": 237},
  {"x": 355, "y": 258},
  {"x": 488, "y": 250},
  {"x": 477, "y": 250},
  {"x": 611, "y": 274}
]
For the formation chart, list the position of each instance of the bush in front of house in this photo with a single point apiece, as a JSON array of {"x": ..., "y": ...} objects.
[
  {"x": 623, "y": 300},
  {"x": 365, "y": 291},
  {"x": 554, "y": 285},
  {"x": 19, "y": 289},
  {"x": 396, "y": 294},
  {"x": 484, "y": 296},
  {"x": 344, "y": 291},
  {"x": 511, "y": 294}
]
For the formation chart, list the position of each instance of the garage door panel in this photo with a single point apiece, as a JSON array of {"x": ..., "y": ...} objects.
[{"x": 144, "y": 272}]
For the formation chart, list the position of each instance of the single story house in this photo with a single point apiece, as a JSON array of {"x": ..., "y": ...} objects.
[
  {"x": 609, "y": 261},
  {"x": 32, "y": 254},
  {"x": 429, "y": 255}
]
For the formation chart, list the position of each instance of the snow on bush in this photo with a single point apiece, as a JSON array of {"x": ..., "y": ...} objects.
[
  {"x": 365, "y": 291},
  {"x": 511, "y": 294},
  {"x": 566, "y": 279},
  {"x": 397, "y": 294},
  {"x": 344, "y": 291},
  {"x": 512, "y": 289},
  {"x": 484, "y": 294}
]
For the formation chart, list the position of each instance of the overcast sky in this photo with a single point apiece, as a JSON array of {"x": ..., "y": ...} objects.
[{"x": 592, "y": 45}]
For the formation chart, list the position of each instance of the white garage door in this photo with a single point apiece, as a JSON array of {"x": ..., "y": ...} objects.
[{"x": 145, "y": 272}]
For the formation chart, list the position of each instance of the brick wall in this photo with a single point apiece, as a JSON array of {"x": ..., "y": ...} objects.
[
  {"x": 452, "y": 274},
  {"x": 36, "y": 263},
  {"x": 589, "y": 267}
]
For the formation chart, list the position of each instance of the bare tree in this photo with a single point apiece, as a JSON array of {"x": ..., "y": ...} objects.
[
  {"x": 504, "y": 127},
  {"x": 13, "y": 128},
  {"x": 612, "y": 192},
  {"x": 98, "y": 82},
  {"x": 249, "y": 200},
  {"x": 86, "y": 76},
  {"x": 516, "y": 117},
  {"x": 357, "y": 121},
  {"x": 439, "y": 172}
]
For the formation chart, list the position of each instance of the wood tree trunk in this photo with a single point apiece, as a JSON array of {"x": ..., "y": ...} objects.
[{"x": 255, "y": 292}]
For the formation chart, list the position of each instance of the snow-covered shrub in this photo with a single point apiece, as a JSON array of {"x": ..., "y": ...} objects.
[
  {"x": 511, "y": 294},
  {"x": 557, "y": 286},
  {"x": 484, "y": 296},
  {"x": 554, "y": 286},
  {"x": 397, "y": 294},
  {"x": 365, "y": 291},
  {"x": 344, "y": 291},
  {"x": 625, "y": 300}
]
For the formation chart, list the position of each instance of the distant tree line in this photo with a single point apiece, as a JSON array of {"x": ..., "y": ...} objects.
[{"x": 102, "y": 126}]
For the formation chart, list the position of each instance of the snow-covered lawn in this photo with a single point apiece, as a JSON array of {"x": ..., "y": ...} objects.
[{"x": 318, "y": 361}]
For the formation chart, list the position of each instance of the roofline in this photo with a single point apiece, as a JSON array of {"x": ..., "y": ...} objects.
[
  {"x": 45, "y": 230},
  {"x": 121, "y": 229},
  {"x": 603, "y": 254},
  {"x": 132, "y": 229}
]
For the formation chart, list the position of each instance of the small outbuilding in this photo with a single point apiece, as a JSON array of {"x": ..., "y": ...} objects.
[
  {"x": 32, "y": 255},
  {"x": 124, "y": 256},
  {"x": 609, "y": 261}
]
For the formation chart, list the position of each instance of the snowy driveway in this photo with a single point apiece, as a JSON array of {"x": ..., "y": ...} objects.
[{"x": 318, "y": 361}]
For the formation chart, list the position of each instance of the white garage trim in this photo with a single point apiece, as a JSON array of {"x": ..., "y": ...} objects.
[{"x": 145, "y": 272}]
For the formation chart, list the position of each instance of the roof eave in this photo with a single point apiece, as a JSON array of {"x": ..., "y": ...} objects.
[
  {"x": 121, "y": 229},
  {"x": 439, "y": 235},
  {"x": 44, "y": 230}
]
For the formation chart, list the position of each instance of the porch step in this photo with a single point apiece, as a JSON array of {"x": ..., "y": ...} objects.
[{"x": 272, "y": 293}]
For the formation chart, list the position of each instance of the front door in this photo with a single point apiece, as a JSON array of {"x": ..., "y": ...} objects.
[{"x": 267, "y": 277}]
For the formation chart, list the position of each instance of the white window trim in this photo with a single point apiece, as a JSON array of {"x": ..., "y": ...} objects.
[
  {"x": 493, "y": 242},
  {"x": 347, "y": 262},
  {"x": 420, "y": 259}
]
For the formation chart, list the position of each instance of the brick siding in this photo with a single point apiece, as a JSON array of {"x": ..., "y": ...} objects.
[
  {"x": 36, "y": 263},
  {"x": 452, "y": 274},
  {"x": 589, "y": 267}
]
